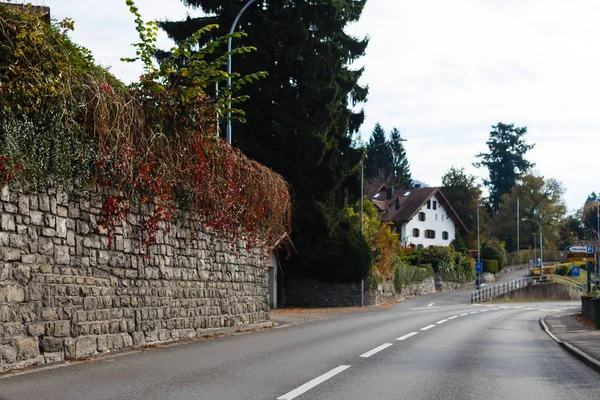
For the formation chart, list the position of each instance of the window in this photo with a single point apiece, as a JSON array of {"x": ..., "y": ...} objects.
[
  {"x": 436, "y": 217},
  {"x": 421, "y": 216},
  {"x": 428, "y": 204},
  {"x": 445, "y": 235},
  {"x": 416, "y": 233},
  {"x": 429, "y": 234},
  {"x": 435, "y": 205}
]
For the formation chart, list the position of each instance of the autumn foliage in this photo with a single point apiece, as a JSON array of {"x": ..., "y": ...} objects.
[{"x": 66, "y": 121}]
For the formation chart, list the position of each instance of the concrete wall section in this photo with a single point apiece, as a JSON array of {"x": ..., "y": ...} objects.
[{"x": 64, "y": 294}]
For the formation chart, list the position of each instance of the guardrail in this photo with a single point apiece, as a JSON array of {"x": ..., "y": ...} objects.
[
  {"x": 488, "y": 293},
  {"x": 569, "y": 282}
]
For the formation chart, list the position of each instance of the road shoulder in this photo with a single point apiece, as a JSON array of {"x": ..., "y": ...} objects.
[{"x": 578, "y": 339}]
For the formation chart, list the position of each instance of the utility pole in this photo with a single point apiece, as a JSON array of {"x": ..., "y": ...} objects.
[{"x": 518, "y": 233}]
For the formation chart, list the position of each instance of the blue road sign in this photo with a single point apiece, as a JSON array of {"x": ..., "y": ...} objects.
[
  {"x": 478, "y": 267},
  {"x": 575, "y": 271},
  {"x": 590, "y": 249}
]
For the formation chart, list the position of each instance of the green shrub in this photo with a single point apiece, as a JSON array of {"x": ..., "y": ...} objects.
[
  {"x": 489, "y": 252},
  {"x": 406, "y": 274},
  {"x": 427, "y": 267},
  {"x": 374, "y": 279},
  {"x": 490, "y": 266},
  {"x": 563, "y": 270}
]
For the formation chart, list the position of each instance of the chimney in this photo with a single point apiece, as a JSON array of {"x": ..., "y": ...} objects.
[
  {"x": 397, "y": 203},
  {"x": 390, "y": 193}
]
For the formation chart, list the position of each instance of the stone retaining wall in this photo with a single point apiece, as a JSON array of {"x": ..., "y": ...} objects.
[
  {"x": 315, "y": 293},
  {"x": 64, "y": 294}
]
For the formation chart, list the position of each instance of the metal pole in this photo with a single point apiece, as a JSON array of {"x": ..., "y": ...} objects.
[
  {"x": 235, "y": 21},
  {"x": 541, "y": 252},
  {"x": 534, "y": 251},
  {"x": 597, "y": 239},
  {"x": 362, "y": 194},
  {"x": 518, "y": 233},
  {"x": 478, "y": 250}
]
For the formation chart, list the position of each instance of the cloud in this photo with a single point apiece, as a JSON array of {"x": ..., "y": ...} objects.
[{"x": 443, "y": 72}]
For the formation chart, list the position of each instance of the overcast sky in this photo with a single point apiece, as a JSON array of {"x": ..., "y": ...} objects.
[{"x": 443, "y": 72}]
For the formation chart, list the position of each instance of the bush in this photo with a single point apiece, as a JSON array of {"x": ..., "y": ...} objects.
[
  {"x": 434, "y": 255},
  {"x": 563, "y": 270},
  {"x": 428, "y": 267},
  {"x": 493, "y": 252},
  {"x": 406, "y": 274},
  {"x": 490, "y": 266}
]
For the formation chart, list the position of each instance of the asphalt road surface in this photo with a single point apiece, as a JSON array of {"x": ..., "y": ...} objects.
[{"x": 431, "y": 347}]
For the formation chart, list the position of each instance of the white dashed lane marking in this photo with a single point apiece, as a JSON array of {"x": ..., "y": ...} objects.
[
  {"x": 442, "y": 321},
  {"x": 407, "y": 336},
  {"x": 376, "y": 350},
  {"x": 311, "y": 384},
  {"x": 428, "y": 327},
  {"x": 452, "y": 317}
]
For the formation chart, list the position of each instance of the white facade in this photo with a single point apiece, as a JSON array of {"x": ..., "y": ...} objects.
[{"x": 436, "y": 223}]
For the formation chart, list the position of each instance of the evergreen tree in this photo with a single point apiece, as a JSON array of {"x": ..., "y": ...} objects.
[
  {"x": 379, "y": 159},
  {"x": 400, "y": 165},
  {"x": 464, "y": 194},
  {"x": 506, "y": 160},
  {"x": 299, "y": 120},
  {"x": 592, "y": 197}
]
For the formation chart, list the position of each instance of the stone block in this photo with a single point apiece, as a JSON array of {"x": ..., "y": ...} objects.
[
  {"x": 62, "y": 328},
  {"x": 62, "y": 211},
  {"x": 11, "y": 208},
  {"x": 49, "y": 220},
  {"x": 8, "y": 354},
  {"x": 45, "y": 246},
  {"x": 36, "y": 329},
  {"x": 4, "y": 238},
  {"x": 61, "y": 227},
  {"x": 5, "y": 194},
  {"x": 11, "y": 294},
  {"x": 70, "y": 238},
  {"x": 36, "y": 218},
  {"x": 7, "y": 222},
  {"x": 61, "y": 255},
  {"x": 84, "y": 346},
  {"x": 27, "y": 348},
  {"x": 24, "y": 204},
  {"x": 138, "y": 339},
  {"x": 44, "y": 202},
  {"x": 10, "y": 254}
]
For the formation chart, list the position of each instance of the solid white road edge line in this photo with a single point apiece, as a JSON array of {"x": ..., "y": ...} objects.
[
  {"x": 311, "y": 384},
  {"x": 376, "y": 350},
  {"x": 407, "y": 335},
  {"x": 441, "y": 321},
  {"x": 428, "y": 327}
]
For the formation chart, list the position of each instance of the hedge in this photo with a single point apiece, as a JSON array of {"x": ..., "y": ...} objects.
[{"x": 490, "y": 266}]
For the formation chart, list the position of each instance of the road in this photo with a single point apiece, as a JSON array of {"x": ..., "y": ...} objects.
[{"x": 431, "y": 347}]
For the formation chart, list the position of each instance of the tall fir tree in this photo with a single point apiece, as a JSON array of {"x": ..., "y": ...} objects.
[
  {"x": 379, "y": 160},
  {"x": 300, "y": 119},
  {"x": 506, "y": 161},
  {"x": 400, "y": 165}
]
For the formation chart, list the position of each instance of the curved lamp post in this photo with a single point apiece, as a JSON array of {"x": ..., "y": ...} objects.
[
  {"x": 235, "y": 21},
  {"x": 541, "y": 246}
]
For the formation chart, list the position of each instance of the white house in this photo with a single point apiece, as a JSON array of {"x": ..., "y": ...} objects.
[{"x": 420, "y": 215}]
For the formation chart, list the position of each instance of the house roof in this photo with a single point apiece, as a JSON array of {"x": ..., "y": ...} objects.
[{"x": 411, "y": 201}]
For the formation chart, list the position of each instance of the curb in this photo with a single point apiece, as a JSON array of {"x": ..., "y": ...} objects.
[{"x": 582, "y": 356}]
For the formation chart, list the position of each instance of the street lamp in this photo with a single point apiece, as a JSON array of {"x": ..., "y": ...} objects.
[
  {"x": 362, "y": 180},
  {"x": 235, "y": 21},
  {"x": 541, "y": 246}
]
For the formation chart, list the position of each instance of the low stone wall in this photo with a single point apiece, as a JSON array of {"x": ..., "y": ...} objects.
[
  {"x": 65, "y": 294},
  {"x": 385, "y": 293},
  {"x": 315, "y": 293}
]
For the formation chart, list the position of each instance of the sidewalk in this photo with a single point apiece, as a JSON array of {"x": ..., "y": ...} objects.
[{"x": 580, "y": 339}]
